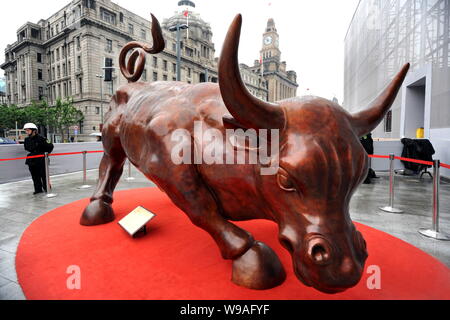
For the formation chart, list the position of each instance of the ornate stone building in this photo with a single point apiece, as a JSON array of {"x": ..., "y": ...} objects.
[
  {"x": 63, "y": 56},
  {"x": 279, "y": 83}
]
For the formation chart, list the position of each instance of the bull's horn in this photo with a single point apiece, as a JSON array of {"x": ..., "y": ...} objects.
[
  {"x": 245, "y": 108},
  {"x": 367, "y": 120}
]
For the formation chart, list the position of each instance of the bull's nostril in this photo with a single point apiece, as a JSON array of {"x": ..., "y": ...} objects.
[{"x": 319, "y": 254}]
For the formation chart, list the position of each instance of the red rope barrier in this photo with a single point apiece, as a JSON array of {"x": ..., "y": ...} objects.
[
  {"x": 428, "y": 163},
  {"x": 377, "y": 156},
  {"x": 101, "y": 151},
  {"x": 23, "y": 158},
  {"x": 64, "y": 154}
]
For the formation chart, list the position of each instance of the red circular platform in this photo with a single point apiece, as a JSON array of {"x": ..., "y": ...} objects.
[{"x": 178, "y": 261}]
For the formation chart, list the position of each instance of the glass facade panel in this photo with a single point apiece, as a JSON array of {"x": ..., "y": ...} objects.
[{"x": 384, "y": 35}]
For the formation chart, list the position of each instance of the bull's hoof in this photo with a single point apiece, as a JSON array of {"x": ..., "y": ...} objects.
[
  {"x": 259, "y": 268},
  {"x": 96, "y": 213}
]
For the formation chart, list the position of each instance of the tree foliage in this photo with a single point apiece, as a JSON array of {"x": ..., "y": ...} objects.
[{"x": 60, "y": 117}]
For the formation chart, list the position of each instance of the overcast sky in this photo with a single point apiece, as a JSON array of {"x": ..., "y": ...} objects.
[{"x": 311, "y": 32}]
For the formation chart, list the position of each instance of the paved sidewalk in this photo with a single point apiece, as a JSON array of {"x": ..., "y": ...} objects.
[{"x": 18, "y": 209}]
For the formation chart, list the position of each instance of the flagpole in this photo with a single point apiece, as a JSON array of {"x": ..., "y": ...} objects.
[{"x": 187, "y": 17}]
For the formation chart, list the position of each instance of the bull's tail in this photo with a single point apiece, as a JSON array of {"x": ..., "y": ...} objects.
[{"x": 136, "y": 63}]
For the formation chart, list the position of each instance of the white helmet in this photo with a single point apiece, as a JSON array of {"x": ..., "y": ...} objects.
[{"x": 31, "y": 126}]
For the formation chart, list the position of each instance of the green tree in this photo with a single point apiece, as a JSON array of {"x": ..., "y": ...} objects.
[
  {"x": 8, "y": 117},
  {"x": 63, "y": 115}
]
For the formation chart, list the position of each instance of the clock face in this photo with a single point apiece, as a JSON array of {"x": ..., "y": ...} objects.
[{"x": 268, "y": 40}]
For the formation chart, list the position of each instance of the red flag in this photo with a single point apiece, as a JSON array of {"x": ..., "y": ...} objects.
[{"x": 186, "y": 13}]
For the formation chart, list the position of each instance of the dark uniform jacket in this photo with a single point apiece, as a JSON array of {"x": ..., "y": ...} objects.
[{"x": 36, "y": 145}]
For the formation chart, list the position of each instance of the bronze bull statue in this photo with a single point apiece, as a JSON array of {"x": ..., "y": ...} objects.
[{"x": 320, "y": 164}]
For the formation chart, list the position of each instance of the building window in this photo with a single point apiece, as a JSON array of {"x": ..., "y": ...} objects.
[
  {"x": 59, "y": 72},
  {"x": 53, "y": 56},
  {"x": 78, "y": 43},
  {"x": 70, "y": 88},
  {"x": 165, "y": 65},
  {"x": 143, "y": 34},
  {"x": 174, "y": 47},
  {"x": 155, "y": 76},
  {"x": 64, "y": 70},
  {"x": 97, "y": 110},
  {"x": 144, "y": 75},
  {"x": 174, "y": 67},
  {"x": 39, "y": 58},
  {"x": 130, "y": 28},
  {"x": 89, "y": 4},
  {"x": 70, "y": 68},
  {"x": 121, "y": 17},
  {"x": 165, "y": 77},
  {"x": 107, "y": 16},
  {"x": 109, "y": 45},
  {"x": 155, "y": 62},
  {"x": 41, "y": 92},
  {"x": 80, "y": 84},
  {"x": 39, "y": 74},
  {"x": 388, "y": 122},
  {"x": 79, "y": 62},
  {"x": 189, "y": 52},
  {"x": 189, "y": 72}
]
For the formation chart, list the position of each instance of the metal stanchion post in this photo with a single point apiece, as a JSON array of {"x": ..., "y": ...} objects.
[
  {"x": 85, "y": 185},
  {"x": 130, "y": 178},
  {"x": 47, "y": 177},
  {"x": 391, "y": 208},
  {"x": 435, "y": 233}
]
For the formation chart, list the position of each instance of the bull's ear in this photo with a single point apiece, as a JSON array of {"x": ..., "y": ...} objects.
[{"x": 229, "y": 122}]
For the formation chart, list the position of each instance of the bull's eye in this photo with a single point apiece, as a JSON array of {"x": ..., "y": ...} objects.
[{"x": 285, "y": 182}]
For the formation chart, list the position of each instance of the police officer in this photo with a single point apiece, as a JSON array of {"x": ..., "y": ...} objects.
[
  {"x": 367, "y": 143},
  {"x": 36, "y": 144}
]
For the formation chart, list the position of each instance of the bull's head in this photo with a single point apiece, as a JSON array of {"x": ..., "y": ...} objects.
[{"x": 321, "y": 163}]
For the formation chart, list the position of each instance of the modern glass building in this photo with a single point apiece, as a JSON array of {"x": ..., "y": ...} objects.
[{"x": 382, "y": 36}]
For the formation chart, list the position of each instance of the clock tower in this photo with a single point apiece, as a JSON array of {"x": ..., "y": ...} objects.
[
  {"x": 270, "y": 52},
  {"x": 279, "y": 82}
]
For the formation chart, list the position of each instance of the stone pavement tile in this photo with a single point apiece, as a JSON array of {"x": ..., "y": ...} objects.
[
  {"x": 4, "y": 281},
  {"x": 10, "y": 245},
  {"x": 20, "y": 217},
  {"x": 13, "y": 227},
  {"x": 8, "y": 269},
  {"x": 11, "y": 291}
]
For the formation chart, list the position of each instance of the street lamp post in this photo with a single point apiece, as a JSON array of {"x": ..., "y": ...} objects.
[{"x": 177, "y": 28}]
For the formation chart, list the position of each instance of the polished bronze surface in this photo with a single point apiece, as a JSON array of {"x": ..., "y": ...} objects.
[{"x": 319, "y": 165}]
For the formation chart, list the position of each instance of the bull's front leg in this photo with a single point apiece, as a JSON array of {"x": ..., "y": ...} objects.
[
  {"x": 99, "y": 211},
  {"x": 255, "y": 265}
]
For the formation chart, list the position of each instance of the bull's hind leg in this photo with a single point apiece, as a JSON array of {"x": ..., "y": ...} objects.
[
  {"x": 255, "y": 265},
  {"x": 99, "y": 211}
]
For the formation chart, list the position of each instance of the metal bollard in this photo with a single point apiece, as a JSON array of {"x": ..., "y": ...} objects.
[
  {"x": 85, "y": 185},
  {"x": 47, "y": 177},
  {"x": 130, "y": 178},
  {"x": 435, "y": 233},
  {"x": 391, "y": 208}
]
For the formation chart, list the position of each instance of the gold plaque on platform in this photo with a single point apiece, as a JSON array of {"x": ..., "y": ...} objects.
[{"x": 136, "y": 220}]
